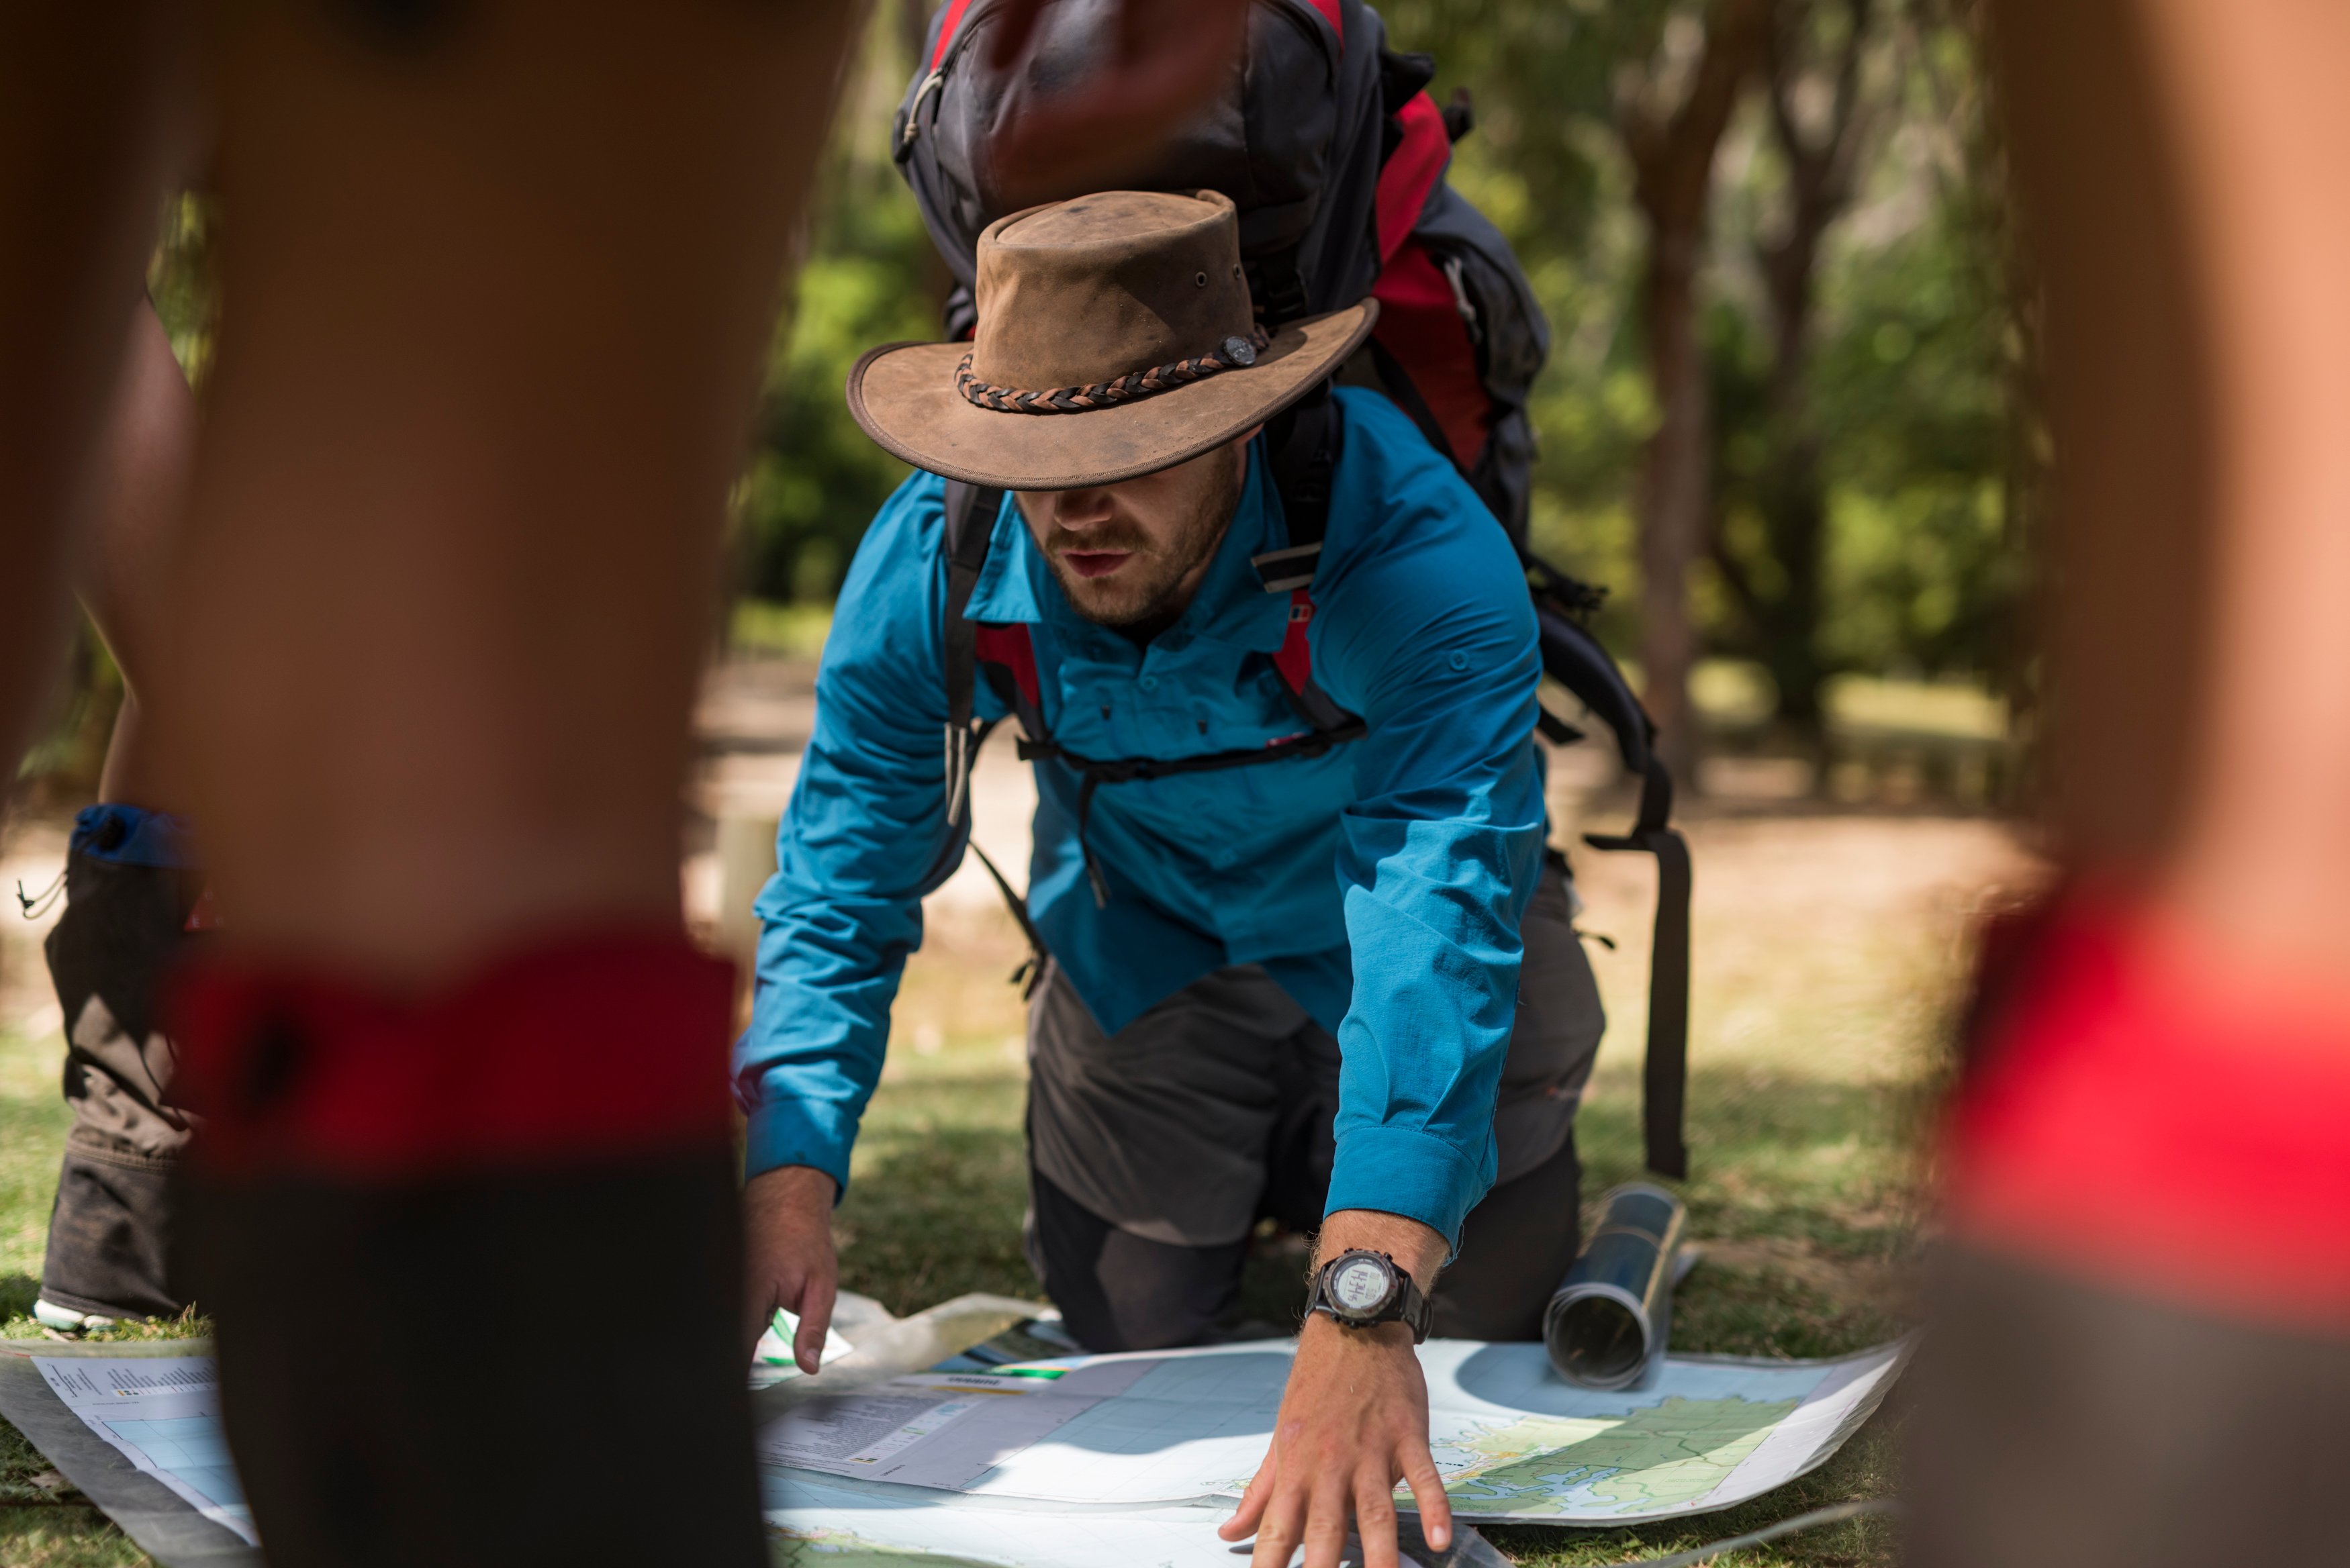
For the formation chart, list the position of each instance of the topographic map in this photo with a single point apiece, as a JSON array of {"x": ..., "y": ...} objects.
[
  {"x": 1137, "y": 1458},
  {"x": 1662, "y": 1457}
]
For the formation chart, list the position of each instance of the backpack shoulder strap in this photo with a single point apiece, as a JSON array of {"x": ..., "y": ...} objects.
[
  {"x": 971, "y": 512},
  {"x": 1304, "y": 443},
  {"x": 1304, "y": 440}
]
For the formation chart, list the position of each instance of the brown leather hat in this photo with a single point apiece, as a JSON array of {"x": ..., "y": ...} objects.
[{"x": 1115, "y": 338}]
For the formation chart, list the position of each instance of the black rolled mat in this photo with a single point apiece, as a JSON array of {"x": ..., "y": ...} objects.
[{"x": 165, "y": 1527}]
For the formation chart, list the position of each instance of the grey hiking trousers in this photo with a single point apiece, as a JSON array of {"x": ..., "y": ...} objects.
[{"x": 1154, "y": 1152}]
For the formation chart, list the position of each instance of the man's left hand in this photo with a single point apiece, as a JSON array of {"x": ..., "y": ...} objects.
[{"x": 1352, "y": 1422}]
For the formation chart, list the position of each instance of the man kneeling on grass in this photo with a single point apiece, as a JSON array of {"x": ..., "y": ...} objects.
[{"x": 1340, "y": 988}]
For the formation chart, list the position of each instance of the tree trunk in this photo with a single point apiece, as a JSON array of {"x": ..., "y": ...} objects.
[
  {"x": 1672, "y": 149},
  {"x": 1676, "y": 492},
  {"x": 1822, "y": 175},
  {"x": 1793, "y": 492}
]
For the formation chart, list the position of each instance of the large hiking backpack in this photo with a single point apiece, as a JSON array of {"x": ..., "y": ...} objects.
[{"x": 1335, "y": 154}]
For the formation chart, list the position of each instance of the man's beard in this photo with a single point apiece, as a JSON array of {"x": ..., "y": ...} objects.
[{"x": 1144, "y": 595}]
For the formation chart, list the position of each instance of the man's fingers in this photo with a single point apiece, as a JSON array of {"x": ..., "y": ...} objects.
[
  {"x": 1374, "y": 1515},
  {"x": 1260, "y": 1490},
  {"x": 1428, "y": 1490},
  {"x": 1326, "y": 1523},
  {"x": 1278, "y": 1533},
  {"x": 816, "y": 1318}
]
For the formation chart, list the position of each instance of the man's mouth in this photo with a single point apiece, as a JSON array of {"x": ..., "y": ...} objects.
[{"x": 1095, "y": 563}]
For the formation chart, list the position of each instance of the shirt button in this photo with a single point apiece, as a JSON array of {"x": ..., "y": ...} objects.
[
  {"x": 1459, "y": 660},
  {"x": 1151, "y": 684}
]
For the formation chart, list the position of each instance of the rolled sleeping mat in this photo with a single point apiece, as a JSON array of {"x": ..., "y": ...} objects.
[{"x": 1607, "y": 1323}]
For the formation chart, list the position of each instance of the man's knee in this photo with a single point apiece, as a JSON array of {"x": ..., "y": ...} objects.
[
  {"x": 1118, "y": 1291},
  {"x": 1514, "y": 1250}
]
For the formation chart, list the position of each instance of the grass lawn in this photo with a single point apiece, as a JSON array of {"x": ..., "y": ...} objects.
[{"x": 1828, "y": 955}]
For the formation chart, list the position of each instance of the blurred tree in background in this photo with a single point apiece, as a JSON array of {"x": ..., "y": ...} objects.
[{"x": 1869, "y": 373}]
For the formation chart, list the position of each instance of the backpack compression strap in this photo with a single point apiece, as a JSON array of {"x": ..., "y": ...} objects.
[
  {"x": 1664, "y": 1079},
  {"x": 1572, "y": 655}
]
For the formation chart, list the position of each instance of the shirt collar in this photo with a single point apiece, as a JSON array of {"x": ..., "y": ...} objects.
[{"x": 1009, "y": 583}]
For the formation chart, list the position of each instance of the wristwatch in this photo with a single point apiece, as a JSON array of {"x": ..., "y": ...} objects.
[{"x": 1363, "y": 1290}]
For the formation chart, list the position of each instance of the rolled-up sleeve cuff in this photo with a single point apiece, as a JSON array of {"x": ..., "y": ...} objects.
[
  {"x": 797, "y": 1132},
  {"x": 1397, "y": 1170}
]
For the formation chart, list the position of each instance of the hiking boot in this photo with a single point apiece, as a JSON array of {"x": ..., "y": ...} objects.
[{"x": 66, "y": 1320}]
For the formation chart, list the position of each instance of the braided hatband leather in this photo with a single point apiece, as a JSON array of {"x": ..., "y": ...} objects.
[{"x": 1233, "y": 353}]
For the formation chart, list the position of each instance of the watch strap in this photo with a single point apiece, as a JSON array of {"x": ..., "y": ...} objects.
[
  {"x": 1409, "y": 1306},
  {"x": 1412, "y": 1307}
]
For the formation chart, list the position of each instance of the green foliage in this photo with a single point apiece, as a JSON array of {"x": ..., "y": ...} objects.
[
  {"x": 1925, "y": 571},
  {"x": 183, "y": 281},
  {"x": 1910, "y": 388},
  {"x": 870, "y": 277}
]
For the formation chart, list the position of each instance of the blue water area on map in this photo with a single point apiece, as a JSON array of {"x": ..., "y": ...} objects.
[
  {"x": 192, "y": 1448},
  {"x": 1184, "y": 1399}
]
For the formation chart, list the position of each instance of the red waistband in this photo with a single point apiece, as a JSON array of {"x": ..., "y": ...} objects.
[
  {"x": 608, "y": 1046},
  {"x": 2146, "y": 1109}
]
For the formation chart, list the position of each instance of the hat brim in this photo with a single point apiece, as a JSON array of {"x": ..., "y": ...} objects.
[{"x": 905, "y": 398}]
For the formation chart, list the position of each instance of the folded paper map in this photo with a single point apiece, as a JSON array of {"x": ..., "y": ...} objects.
[{"x": 1514, "y": 1442}]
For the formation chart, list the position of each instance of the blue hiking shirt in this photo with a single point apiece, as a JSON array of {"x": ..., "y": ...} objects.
[{"x": 1381, "y": 884}]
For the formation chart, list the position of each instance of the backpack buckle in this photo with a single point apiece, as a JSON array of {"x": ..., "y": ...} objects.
[{"x": 1284, "y": 571}]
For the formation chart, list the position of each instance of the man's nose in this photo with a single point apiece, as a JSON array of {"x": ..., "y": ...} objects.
[{"x": 1087, "y": 508}]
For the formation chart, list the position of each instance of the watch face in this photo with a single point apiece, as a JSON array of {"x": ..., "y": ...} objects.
[{"x": 1360, "y": 1286}]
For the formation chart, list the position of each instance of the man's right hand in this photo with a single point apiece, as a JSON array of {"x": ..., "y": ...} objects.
[{"x": 788, "y": 1258}]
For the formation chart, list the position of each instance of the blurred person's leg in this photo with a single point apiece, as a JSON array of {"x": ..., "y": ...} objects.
[
  {"x": 86, "y": 110},
  {"x": 131, "y": 883},
  {"x": 2144, "y": 1353},
  {"x": 498, "y": 277}
]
